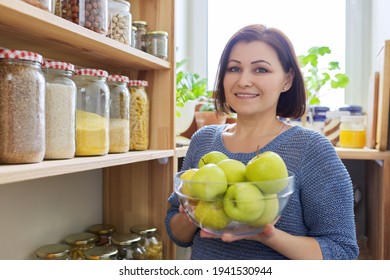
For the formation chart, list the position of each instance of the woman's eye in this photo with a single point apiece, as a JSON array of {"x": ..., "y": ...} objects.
[
  {"x": 233, "y": 69},
  {"x": 261, "y": 70}
]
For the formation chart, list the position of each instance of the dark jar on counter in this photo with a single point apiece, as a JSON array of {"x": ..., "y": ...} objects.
[
  {"x": 150, "y": 240},
  {"x": 53, "y": 252},
  {"x": 129, "y": 246},
  {"x": 103, "y": 233},
  {"x": 79, "y": 243},
  {"x": 22, "y": 107}
]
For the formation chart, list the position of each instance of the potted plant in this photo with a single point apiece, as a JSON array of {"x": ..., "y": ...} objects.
[{"x": 205, "y": 114}]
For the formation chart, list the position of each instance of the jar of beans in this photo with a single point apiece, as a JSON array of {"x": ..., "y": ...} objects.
[
  {"x": 45, "y": 5},
  {"x": 79, "y": 243},
  {"x": 22, "y": 107},
  {"x": 91, "y": 14},
  {"x": 119, "y": 21},
  {"x": 140, "y": 33},
  {"x": 53, "y": 252},
  {"x": 60, "y": 110},
  {"x": 156, "y": 43},
  {"x": 92, "y": 113}
]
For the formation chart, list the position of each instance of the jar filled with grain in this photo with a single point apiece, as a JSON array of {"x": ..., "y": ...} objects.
[
  {"x": 60, "y": 110},
  {"x": 150, "y": 240},
  {"x": 79, "y": 243},
  {"x": 45, "y": 5},
  {"x": 139, "y": 115},
  {"x": 157, "y": 44},
  {"x": 142, "y": 28},
  {"x": 119, "y": 114},
  {"x": 91, "y": 14},
  {"x": 103, "y": 233},
  {"x": 119, "y": 21},
  {"x": 129, "y": 246},
  {"x": 92, "y": 113},
  {"x": 22, "y": 107},
  {"x": 53, "y": 252},
  {"x": 108, "y": 252}
]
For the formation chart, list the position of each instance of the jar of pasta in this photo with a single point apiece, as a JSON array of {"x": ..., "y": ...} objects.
[
  {"x": 92, "y": 114},
  {"x": 108, "y": 252},
  {"x": 53, "y": 252},
  {"x": 45, "y": 5},
  {"x": 119, "y": 114},
  {"x": 150, "y": 241},
  {"x": 79, "y": 243},
  {"x": 60, "y": 110},
  {"x": 142, "y": 28},
  {"x": 139, "y": 115},
  {"x": 22, "y": 107},
  {"x": 103, "y": 233},
  {"x": 129, "y": 246},
  {"x": 156, "y": 43},
  {"x": 119, "y": 21}
]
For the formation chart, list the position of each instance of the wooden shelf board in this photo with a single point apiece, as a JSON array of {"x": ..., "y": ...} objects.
[{"x": 23, "y": 172}]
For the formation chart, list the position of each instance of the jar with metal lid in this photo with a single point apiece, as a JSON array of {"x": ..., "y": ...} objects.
[
  {"x": 79, "y": 243},
  {"x": 119, "y": 21},
  {"x": 108, "y": 252},
  {"x": 92, "y": 114},
  {"x": 133, "y": 36},
  {"x": 91, "y": 14},
  {"x": 139, "y": 115},
  {"x": 60, "y": 110},
  {"x": 45, "y": 5},
  {"x": 332, "y": 126},
  {"x": 103, "y": 233},
  {"x": 56, "y": 251},
  {"x": 129, "y": 246},
  {"x": 156, "y": 43},
  {"x": 22, "y": 107},
  {"x": 150, "y": 240},
  {"x": 119, "y": 114},
  {"x": 140, "y": 34},
  {"x": 352, "y": 132}
]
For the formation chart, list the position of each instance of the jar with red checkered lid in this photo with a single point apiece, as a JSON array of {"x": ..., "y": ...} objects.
[
  {"x": 60, "y": 110},
  {"x": 119, "y": 113},
  {"x": 22, "y": 107},
  {"x": 139, "y": 115},
  {"x": 92, "y": 112}
]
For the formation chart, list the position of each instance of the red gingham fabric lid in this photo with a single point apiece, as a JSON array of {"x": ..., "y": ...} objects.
[
  {"x": 138, "y": 83},
  {"x": 52, "y": 64},
  {"x": 20, "y": 54},
  {"x": 118, "y": 78},
  {"x": 91, "y": 72}
]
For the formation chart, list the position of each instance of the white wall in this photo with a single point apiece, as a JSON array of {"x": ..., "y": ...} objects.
[{"x": 380, "y": 26}]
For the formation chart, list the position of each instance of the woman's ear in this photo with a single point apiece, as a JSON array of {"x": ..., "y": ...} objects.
[{"x": 288, "y": 80}]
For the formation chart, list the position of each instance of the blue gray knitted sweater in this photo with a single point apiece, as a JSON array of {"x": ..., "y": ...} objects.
[{"x": 321, "y": 206}]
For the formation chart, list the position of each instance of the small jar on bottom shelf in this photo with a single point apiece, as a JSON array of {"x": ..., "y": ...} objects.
[
  {"x": 103, "y": 233},
  {"x": 352, "y": 132},
  {"x": 129, "y": 246},
  {"x": 79, "y": 243},
  {"x": 108, "y": 252},
  {"x": 53, "y": 252},
  {"x": 156, "y": 43},
  {"x": 150, "y": 241}
]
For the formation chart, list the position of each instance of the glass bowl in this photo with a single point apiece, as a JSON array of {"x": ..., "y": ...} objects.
[{"x": 243, "y": 209}]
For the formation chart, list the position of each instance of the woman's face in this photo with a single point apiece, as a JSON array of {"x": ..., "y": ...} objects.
[{"x": 254, "y": 78}]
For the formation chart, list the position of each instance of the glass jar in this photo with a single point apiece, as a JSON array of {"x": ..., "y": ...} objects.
[
  {"x": 139, "y": 115},
  {"x": 103, "y": 233},
  {"x": 22, "y": 107},
  {"x": 92, "y": 114},
  {"x": 91, "y": 14},
  {"x": 45, "y": 5},
  {"x": 79, "y": 243},
  {"x": 133, "y": 36},
  {"x": 352, "y": 132},
  {"x": 140, "y": 34},
  {"x": 129, "y": 246},
  {"x": 119, "y": 114},
  {"x": 119, "y": 21},
  {"x": 53, "y": 252},
  {"x": 150, "y": 240},
  {"x": 60, "y": 110},
  {"x": 157, "y": 44},
  {"x": 108, "y": 252},
  {"x": 317, "y": 116},
  {"x": 332, "y": 126}
]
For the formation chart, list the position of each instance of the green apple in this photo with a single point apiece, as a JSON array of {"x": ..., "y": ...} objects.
[
  {"x": 208, "y": 182},
  {"x": 271, "y": 211},
  {"x": 266, "y": 168},
  {"x": 186, "y": 176},
  {"x": 234, "y": 170},
  {"x": 243, "y": 202},
  {"x": 210, "y": 214},
  {"x": 211, "y": 157}
]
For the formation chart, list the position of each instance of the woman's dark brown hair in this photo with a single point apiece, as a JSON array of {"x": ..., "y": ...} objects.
[{"x": 292, "y": 103}]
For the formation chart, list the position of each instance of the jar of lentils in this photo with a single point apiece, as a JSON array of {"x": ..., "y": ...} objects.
[
  {"x": 92, "y": 113},
  {"x": 60, "y": 110},
  {"x": 53, "y": 252},
  {"x": 45, "y": 5},
  {"x": 140, "y": 33},
  {"x": 22, "y": 107},
  {"x": 79, "y": 243},
  {"x": 157, "y": 44},
  {"x": 129, "y": 246},
  {"x": 91, "y": 14},
  {"x": 119, "y": 21},
  {"x": 103, "y": 233},
  {"x": 150, "y": 241}
]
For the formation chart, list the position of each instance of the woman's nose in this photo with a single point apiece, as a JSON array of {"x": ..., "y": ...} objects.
[{"x": 245, "y": 80}]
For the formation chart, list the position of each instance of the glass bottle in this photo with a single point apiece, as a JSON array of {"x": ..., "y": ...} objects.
[
  {"x": 156, "y": 43},
  {"x": 103, "y": 233},
  {"x": 139, "y": 115},
  {"x": 119, "y": 114},
  {"x": 60, "y": 110},
  {"x": 22, "y": 107},
  {"x": 53, "y": 252},
  {"x": 129, "y": 246},
  {"x": 108, "y": 252},
  {"x": 79, "y": 243},
  {"x": 150, "y": 241},
  {"x": 140, "y": 34},
  {"x": 92, "y": 114},
  {"x": 352, "y": 131},
  {"x": 119, "y": 21},
  {"x": 45, "y": 5}
]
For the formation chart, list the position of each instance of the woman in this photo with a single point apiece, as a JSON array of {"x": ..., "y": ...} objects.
[{"x": 259, "y": 78}]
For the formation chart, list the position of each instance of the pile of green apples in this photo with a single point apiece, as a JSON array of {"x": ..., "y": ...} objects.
[{"x": 224, "y": 191}]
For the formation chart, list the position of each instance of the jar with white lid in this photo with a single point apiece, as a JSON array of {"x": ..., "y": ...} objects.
[
  {"x": 93, "y": 112},
  {"x": 142, "y": 28},
  {"x": 119, "y": 114},
  {"x": 45, "y": 5},
  {"x": 22, "y": 107},
  {"x": 139, "y": 115},
  {"x": 352, "y": 131},
  {"x": 119, "y": 21},
  {"x": 156, "y": 43},
  {"x": 60, "y": 110}
]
